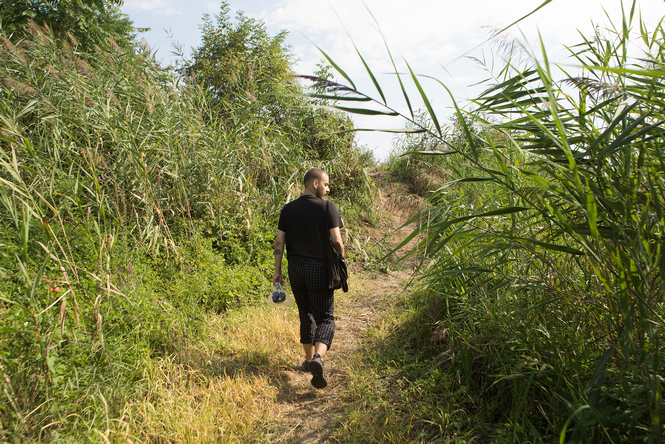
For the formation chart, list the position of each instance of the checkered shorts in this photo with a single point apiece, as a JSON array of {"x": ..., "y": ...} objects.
[{"x": 309, "y": 283}]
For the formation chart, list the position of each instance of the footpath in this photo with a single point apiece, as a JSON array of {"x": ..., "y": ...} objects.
[
  {"x": 308, "y": 415},
  {"x": 240, "y": 380}
]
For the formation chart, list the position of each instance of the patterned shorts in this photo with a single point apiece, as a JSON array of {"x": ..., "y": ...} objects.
[{"x": 309, "y": 283}]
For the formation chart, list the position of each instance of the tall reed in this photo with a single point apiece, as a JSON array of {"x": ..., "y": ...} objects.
[
  {"x": 544, "y": 255},
  {"x": 128, "y": 206}
]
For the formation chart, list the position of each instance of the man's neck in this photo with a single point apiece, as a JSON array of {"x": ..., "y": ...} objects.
[{"x": 307, "y": 192}]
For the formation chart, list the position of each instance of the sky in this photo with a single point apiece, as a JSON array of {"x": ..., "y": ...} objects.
[{"x": 444, "y": 39}]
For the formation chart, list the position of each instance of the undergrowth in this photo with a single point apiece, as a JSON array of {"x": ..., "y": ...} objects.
[{"x": 134, "y": 206}]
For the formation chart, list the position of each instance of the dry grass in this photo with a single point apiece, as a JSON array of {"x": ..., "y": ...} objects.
[
  {"x": 240, "y": 382},
  {"x": 221, "y": 389},
  {"x": 185, "y": 405},
  {"x": 423, "y": 181}
]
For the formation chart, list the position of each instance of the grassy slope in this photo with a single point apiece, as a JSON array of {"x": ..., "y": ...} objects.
[{"x": 129, "y": 214}]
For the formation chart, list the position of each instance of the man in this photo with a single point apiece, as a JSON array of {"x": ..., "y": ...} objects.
[{"x": 305, "y": 227}]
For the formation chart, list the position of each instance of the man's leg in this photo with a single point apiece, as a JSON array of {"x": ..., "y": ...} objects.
[
  {"x": 323, "y": 312},
  {"x": 320, "y": 348},
  {"x": 322, "y": 304},
  {"x": 299, "y": 272},
  {"x": 309, "y": 351}
]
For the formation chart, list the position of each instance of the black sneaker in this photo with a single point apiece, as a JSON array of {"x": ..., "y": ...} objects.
[
  {"x": 318, "y": 375},
  {"x": 305, "y": 367}
]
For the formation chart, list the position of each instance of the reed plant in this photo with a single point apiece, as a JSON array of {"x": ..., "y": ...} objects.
[
  {"x": 131, "y": 208},
  {"x": 542, "y": 275}
]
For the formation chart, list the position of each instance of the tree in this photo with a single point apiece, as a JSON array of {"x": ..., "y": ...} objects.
[
  {"x": 90, "y": 22},
  {"x": 248, "y": 73},
  {"x": 240, "y": 61}
]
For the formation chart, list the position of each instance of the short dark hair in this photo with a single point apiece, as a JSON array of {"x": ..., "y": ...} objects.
[{"x": 312, "y": 175}]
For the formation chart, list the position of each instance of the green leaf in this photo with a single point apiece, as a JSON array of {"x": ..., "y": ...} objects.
[
  {"x": 399, "y": 80},
  {"x": 388, "y": 130},
  {"x": 364, "y": 111},
  {"x": 455, "y": 272},
  {"x": 600, "y": 367},
  {"x": 553, "y": 247},
  {"x": 340, "y": 98},
  {"x": 428, "y": 105},
  {"x": 592, "y": 212},
  {"x": 562, "y": 435},
  {"x": 466, "y": 180},
  {"x": 340, "y": 70},
  {"x": 432, "y": 152},
  {"x": 371, "y": 75}
]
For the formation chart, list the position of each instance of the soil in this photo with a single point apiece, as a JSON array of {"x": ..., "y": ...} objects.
[{"x": 309, "y": 415}]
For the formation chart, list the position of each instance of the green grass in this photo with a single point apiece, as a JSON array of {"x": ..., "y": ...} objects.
[
  {"x": 131, "y": 210},
  {"x": 132, "y": 216}
]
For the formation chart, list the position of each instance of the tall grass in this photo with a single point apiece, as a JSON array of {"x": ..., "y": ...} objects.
[
  {"x": 543, "y": 287},
  {"x": 128, "y": 210}
]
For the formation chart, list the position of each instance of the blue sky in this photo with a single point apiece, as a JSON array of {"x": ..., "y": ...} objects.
[{"x": 433, "y": 36}]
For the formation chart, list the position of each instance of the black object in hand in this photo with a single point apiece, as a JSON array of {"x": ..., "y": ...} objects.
[{"x": 278, "y": 296}]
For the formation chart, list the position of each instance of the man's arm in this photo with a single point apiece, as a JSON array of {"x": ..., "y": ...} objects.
[
  {"x": 336, "y": 238},
  {"x": 278, "y": 252}
]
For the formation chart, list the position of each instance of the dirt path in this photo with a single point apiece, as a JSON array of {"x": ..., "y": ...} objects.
[{"x": 309, "y": 415}]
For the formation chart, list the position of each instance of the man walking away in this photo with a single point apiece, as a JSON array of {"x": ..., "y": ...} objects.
[{"x": 305, "y": 227}]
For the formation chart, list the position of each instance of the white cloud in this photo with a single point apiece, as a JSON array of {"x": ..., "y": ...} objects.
[{"x": 433, "y": 37}]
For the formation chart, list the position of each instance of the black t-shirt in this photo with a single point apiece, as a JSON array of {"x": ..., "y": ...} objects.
[{"x": 304, "y": 222}]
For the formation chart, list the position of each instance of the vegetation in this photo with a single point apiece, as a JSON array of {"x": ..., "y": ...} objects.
[
  {"x": 90, "y": 22},
  {"x": 541, "y": 312},
  {"x": 138, "y": 206},
  {"x": 134, "y": 205}
]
